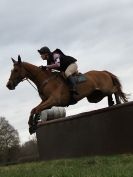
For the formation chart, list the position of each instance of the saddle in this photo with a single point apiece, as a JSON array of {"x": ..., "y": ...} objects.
[{"x": 79, "y": 78}]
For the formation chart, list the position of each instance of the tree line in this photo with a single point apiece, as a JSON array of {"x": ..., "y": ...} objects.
[{"x": 10, "y": 149}]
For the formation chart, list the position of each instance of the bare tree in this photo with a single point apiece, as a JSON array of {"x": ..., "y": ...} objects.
[
  {"x": 29, "y": 151},
  {"x": 9, "y": 141}
]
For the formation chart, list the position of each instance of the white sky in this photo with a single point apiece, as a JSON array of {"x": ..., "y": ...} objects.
[{"x": 98, "y": 33}]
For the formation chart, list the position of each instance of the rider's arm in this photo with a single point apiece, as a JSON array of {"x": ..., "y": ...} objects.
[{"x": 56, "y": 63}]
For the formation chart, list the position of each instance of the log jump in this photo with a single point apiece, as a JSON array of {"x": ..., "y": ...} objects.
[{"x": 100, "y": 132}]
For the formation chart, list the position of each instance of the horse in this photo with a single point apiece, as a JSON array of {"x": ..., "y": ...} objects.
[{"x": 55, "y": 91}]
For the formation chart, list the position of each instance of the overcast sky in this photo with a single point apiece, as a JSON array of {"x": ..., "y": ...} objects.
[{"x": 98, "y": 33}]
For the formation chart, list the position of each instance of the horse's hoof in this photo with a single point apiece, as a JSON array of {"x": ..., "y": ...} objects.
[{"x": 32, "y": 129}]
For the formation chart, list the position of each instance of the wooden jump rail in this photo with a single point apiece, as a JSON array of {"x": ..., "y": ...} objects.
[{"x": 104, "y": 131}]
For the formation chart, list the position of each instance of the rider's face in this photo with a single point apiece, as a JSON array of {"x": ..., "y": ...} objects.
[{"x": 45, "y": 56}]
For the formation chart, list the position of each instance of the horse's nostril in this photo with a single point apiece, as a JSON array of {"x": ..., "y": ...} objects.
[{"x": 7, "y": 85}]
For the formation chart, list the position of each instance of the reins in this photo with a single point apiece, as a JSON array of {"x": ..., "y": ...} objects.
[
  {"x": 43, "y": 83},
  {"x": 29, "y": 80},
  {"x": 30, "y": 83}
]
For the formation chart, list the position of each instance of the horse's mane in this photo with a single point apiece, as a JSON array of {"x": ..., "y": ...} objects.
[
  {"x": 29, "y": 64},
  {"x": 38, "y": 69}
]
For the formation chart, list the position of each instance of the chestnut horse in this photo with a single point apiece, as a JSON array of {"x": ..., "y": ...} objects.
[{"x": 54, "y": 90}]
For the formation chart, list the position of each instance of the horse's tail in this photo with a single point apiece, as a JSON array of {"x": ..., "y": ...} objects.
[{"x": 117, "y": 84}]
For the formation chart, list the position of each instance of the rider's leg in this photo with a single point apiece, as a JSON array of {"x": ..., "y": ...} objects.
[
  {"x": 73, "y": 85},
  {"x": 71, "y": 69}
]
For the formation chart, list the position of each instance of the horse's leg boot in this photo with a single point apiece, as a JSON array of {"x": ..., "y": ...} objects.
[{"x": 110, "y": 100}]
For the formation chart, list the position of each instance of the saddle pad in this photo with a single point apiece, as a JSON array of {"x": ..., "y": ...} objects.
[{"x": 80, "y": 78}]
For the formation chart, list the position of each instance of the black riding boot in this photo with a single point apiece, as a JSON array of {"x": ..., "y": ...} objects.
[{"x": 73, "y": 85}]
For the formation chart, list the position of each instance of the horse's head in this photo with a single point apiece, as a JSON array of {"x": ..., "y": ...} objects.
[{"x": 18, "y": 73}]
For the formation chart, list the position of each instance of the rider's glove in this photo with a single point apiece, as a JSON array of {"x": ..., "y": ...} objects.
[{"x": 43, "y": 67}]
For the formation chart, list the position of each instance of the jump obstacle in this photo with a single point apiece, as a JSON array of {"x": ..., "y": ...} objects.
[{"x": 100, "y": 132}]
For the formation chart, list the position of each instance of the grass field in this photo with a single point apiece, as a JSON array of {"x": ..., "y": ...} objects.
[{"x": 98, "y": 166}]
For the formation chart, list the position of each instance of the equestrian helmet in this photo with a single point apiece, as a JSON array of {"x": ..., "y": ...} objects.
[{"x": 44, "y": 50}]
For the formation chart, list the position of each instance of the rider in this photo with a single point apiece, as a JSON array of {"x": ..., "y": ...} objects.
[{"x": 59, "y": 61}]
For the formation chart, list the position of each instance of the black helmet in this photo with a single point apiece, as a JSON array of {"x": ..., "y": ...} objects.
[{"x": 44, "y": 50}]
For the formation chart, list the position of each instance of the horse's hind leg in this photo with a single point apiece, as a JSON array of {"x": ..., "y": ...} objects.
[
  {"x": 117, "y": 98},
  {"x": 110, "y": 100}
]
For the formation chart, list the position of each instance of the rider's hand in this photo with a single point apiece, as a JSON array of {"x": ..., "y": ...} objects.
[{"x": 43, "y": 67}]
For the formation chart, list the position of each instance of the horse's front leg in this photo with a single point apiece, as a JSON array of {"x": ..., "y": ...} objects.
[
  {"x": 35, "y": 111},
  {"x": 30, "y": 121},
  {"x": 32, "y": 128},
  {"x": 45, "y": 105},
  {"x": 32, "y": 113},
  {"x": 33, "y": 123}
]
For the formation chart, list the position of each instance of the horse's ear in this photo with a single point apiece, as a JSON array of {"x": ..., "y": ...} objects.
[
  {"x": 19, "y": 59},
  {"x": 14, "y": 61}
]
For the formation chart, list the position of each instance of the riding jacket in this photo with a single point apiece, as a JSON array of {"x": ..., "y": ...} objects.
[{"x": 58, "y": 60}]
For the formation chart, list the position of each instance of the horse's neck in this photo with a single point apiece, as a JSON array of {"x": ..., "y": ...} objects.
[{"x": 35, "y": 74}]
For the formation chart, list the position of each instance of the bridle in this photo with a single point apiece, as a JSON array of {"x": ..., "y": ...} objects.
[{"x": 23, "y": 78}]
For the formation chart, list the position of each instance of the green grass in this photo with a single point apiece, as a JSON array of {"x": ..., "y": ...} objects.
[{"x": 98, "y": 166}]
